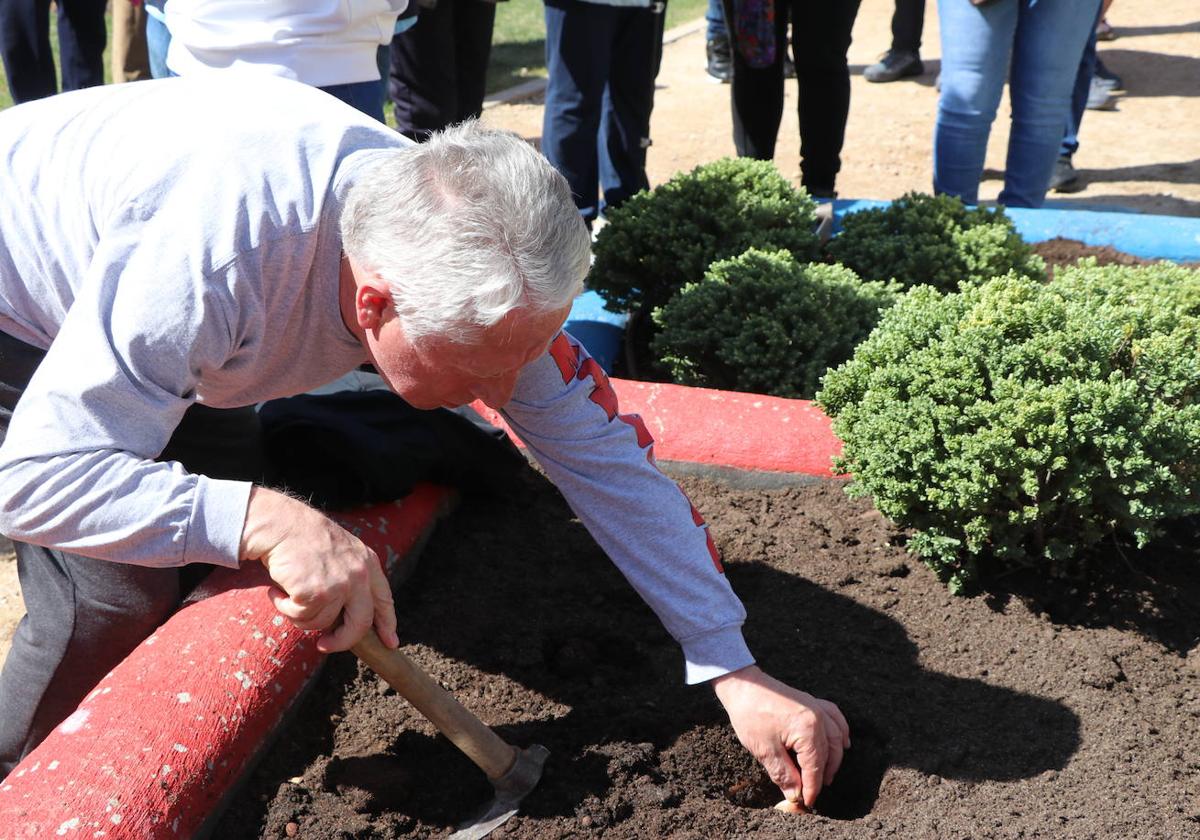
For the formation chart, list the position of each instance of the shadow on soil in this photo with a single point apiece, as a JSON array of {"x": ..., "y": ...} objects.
[
  {"x": 610, "y": 662},
  {"x": 1152, "y": 596}
]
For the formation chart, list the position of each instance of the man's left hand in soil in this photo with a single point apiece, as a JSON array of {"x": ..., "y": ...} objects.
[{"x": 799, "y": 739}]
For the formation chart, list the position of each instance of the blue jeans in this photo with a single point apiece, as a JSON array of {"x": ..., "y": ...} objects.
[
  {"x": 714, "y": 16},
  {"x": 1039, "y": 43},
  {"x": 158, "y": 39},
  {"x": 1079, "y": 96}
]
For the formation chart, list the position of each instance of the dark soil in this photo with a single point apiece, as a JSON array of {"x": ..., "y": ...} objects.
[
  {"x": 1033, "y": 711},
  {"x": 1061, "y": 251}
]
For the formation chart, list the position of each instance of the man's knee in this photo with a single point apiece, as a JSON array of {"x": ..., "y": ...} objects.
[
  {"x": 87, "y": 613},
  {"x": 83, "y": 616}
]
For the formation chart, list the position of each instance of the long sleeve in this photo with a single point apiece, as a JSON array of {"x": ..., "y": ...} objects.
[
  {"x": 566, "y": 412},
  {"x": 77, "y": 469}
]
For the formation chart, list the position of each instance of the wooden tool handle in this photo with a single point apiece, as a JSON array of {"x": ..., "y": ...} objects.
[{"x": 480, "y": 744}]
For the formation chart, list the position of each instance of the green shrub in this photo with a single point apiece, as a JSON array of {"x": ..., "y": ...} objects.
[
  {"x": 762, "y": 322},
  {"x": 933, "y": 241},
  {"x": 658, "y": 241},
  {"x": 1018, "y": 423}
]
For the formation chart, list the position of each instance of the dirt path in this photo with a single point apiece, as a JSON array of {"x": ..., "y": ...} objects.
[{"x": 1144, "y": 156}]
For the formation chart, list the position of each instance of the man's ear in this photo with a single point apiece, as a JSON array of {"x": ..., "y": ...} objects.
[{"x": 372, "y": 304}]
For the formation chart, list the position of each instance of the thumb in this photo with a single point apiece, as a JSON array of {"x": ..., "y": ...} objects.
[{"x": 793, "y": 787}]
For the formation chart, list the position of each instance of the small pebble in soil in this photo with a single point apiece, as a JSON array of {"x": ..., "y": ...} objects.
[{"x": 291, "y": 829}]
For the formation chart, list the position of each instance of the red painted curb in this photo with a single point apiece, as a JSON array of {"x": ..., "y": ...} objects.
[
  {"x": 164, "y": 737},
  {"x": 725, "y": 428}
]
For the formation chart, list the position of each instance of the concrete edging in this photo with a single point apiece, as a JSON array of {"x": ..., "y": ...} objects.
[{"x": 155, "y": 750}]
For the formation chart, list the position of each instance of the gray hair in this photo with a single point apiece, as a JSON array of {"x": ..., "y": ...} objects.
[{"x": 464, "y": 228}]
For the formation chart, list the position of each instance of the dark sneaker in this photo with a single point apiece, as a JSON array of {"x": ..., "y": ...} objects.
[
  {"x": 720, "y": 61},
  {"x": 895, "y": 64},
  {"x": 1107, "y": 78},
  {"x": 1065, "y": 179}
]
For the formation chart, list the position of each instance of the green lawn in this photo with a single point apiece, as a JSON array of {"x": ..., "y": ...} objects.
[{"x": 518, "y": 45}]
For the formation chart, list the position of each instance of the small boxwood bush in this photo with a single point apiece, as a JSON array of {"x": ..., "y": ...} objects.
[
  {"x": 660, "y": 240},
  {"x": 1019, "y": 423},
  {"x": 763, "y": 322},
  {"x": 933, "y": 241}
]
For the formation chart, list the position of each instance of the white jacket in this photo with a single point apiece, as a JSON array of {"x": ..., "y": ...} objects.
[{"x": 318, "y": 42}]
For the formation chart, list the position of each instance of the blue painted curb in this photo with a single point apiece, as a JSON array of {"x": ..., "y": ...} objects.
[
  {"x": 1143, "y": 235},
  {"x": 1151, "y": 237},
  {"x": 596, "y": 328}
]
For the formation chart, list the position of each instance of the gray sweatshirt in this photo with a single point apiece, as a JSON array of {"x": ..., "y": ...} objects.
[{"x": 177, "y": 241}]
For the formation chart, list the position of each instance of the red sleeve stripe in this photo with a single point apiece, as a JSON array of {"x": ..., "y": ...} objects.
[
  {"x": 565, "y": 355},
  {"x": 571, "y": 364},
  {"x": 644, "y": 437}
]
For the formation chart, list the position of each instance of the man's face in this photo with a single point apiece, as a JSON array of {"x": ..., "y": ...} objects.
[{"x": 442, "y": 374}]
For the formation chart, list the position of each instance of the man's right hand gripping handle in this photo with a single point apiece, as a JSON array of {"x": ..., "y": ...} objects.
[{"x": 326, "y": 578}]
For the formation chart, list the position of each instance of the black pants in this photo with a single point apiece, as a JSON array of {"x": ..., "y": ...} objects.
[
  {"x": 83, "y": 616},
  {"x": 25, "y": 46},
  {"x": 439, "y": 66},
  {"x": 820, "y": 40},
  {"x": 907, "y": 22}
]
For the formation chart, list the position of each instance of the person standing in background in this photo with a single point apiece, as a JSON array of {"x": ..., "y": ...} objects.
[
  {"x": 438, "y": 74},
  {"x": 904, "y": 57},
  {"x": 1037, "y": 45},
  {"x": 25, "y": 46},
  {"x": 820, "y": 40},
  {"x": 602, "y": 58},
  {"x": 1092, "y": 92},
  {"x": 333, "y": 47},
  {"x": 130, "y": 59},
  {"x": 719, "y": 61}
]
